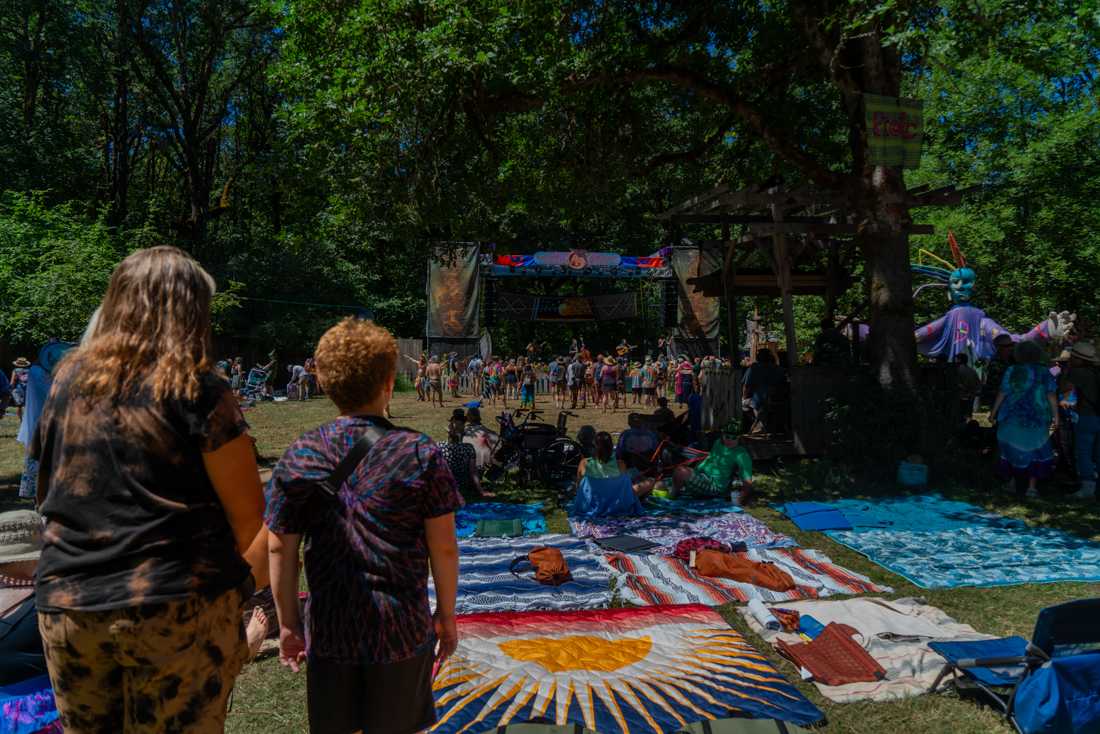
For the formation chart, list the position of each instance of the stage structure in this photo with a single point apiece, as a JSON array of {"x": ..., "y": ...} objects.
[{"x": 467, "y": 276}]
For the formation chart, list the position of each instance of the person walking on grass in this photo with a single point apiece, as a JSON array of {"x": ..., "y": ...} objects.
[
  {"x": 434, "y": 373},
  {"x": 1024, "y": 411},
  {"x": 527, "y": 387},
  {"x": 609, "y": 384},
  {"x": 152, "y": 507},
  {"x": 369, "y": 638},
  {"x": 1083, "y": 379}
]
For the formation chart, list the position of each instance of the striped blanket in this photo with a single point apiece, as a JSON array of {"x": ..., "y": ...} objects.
[
  {"x": 668, "y": 530},
  {"x": 487, "y": 584},
  {"x": 649, "y": 580}
]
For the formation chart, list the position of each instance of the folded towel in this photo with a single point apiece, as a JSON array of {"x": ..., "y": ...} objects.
[{"x": 763, "y": 615}]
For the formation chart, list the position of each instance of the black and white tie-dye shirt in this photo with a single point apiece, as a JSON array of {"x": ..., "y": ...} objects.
[
  {"x": 366, "y": 553},
  {"x": 131, "y": 515}
]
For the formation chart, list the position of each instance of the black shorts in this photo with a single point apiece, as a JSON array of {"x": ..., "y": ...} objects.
[
  {"x": 649, "y": 390},
  {"x": 636, "y": 390},
  {"x": 386, "y": 698}
]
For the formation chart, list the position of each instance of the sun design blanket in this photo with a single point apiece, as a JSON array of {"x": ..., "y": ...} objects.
[
  {"x": 487, "y": 584},
  {"x": 466, "y": 519},
  {"x": 936, "y": 543},
  {"x": 616, "y": 671},
  {"x": 646, "y": 580},
  {"x": 669, "y": 530}
]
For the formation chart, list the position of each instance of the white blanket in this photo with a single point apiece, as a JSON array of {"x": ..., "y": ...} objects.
[{"x": 895, "y": 633}]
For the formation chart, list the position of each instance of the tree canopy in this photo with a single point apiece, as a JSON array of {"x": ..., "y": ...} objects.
[{"x": 311, "y": 154}]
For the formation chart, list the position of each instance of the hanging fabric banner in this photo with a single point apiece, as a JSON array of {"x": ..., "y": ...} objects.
[
  {"x": 579, "y": 264},
  {"x": 895, "y": 129},
  {"x": 453, "y": 294},
  {"x": 698, "y": 314}
]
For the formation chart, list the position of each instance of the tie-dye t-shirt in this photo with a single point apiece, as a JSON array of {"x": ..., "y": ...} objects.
[
  {"x": 131, "y": 515},
  {"x": 366, "y": 554}
]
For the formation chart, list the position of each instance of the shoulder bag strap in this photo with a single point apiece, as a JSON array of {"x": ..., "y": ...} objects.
[{"x": 332, "y": 483}]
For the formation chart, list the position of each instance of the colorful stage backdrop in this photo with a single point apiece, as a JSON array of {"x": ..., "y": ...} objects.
[{"x": 528, "y": 307}]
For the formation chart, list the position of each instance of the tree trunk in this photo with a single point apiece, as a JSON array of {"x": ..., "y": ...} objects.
[{"x": 119, "y": 140}]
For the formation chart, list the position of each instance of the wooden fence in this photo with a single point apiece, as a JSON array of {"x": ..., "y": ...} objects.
[{"x": 721, "y": 392}]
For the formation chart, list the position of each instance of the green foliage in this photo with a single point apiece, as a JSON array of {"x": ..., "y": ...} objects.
[{"x": 54, "y": 267}]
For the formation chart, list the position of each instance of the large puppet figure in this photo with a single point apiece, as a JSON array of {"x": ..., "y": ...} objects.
[{"x": 965, "y": 328}]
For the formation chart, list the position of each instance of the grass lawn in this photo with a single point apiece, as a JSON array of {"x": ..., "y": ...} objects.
[{"x": 269, "y": 699}]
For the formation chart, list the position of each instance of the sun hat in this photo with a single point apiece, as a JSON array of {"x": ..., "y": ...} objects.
[
  {"x": 20, "y": 536},
  {"x": 609, "y": 360},
  {"x": 22, "y": 362},
  {"x": 1086, "y": 352},
  {"x": 732, "y": 428},
  {"x": 1064, "y": 356}
]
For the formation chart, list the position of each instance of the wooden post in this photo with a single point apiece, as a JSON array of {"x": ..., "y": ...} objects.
[
  {"x": 782, "y": 263},
  {"x": 729, "y": 270}
]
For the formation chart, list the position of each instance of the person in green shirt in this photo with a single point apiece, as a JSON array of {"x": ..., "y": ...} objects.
[{"x": 728, "y": 462}]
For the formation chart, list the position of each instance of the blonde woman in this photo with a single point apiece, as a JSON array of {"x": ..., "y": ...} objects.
[{"x": 153, "y": 510}]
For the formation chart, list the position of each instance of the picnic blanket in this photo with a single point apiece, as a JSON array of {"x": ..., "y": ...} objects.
[
  {"x": 487, "y": 584},
  {"x": 646, "y": 580},
  {"x": 28, "y": 707},
  {"x": 918, "y": 512},
  {"x": 937, "y": 543},
  {"x": 615, "y": 671},
  {"x": 895, "y": 633},
  {"x": 668, "y": 530},
  {"x": 815, "y": 516},
  {"x": 466, "y": 518},
  {"x": 656, "y": 506}
]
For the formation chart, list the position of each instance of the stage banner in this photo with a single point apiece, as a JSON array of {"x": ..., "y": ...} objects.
[
  {"x": 528, "y": 307},
  {"x": 698, "y": 314},
  {"x": 453, "y": 294}
]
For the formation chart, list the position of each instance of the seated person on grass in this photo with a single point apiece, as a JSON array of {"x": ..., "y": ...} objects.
[
  {"x": 603, "y": 464},
  {"x": 728, "y": 462},
  {"x": 636, "y": 444}
]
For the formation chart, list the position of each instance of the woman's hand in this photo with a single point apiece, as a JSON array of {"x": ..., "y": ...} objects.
[
  {"x": 292, "y": 648},
  {"x": 447, "y": 632}
]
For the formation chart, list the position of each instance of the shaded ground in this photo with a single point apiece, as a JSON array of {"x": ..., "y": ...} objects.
[{"x": 270, "y": 700}]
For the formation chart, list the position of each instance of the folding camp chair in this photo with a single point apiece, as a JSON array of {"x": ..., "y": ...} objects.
[{"x": 1052, "y": 678}]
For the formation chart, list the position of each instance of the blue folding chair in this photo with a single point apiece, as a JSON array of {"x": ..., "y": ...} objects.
[{"x": 1051, "y": 684}]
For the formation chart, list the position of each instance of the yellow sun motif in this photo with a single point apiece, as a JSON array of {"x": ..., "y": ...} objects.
[{"x": 578, "y": 652}]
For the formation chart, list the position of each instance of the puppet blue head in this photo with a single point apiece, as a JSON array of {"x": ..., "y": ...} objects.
[{"x": 961, "y": 285}]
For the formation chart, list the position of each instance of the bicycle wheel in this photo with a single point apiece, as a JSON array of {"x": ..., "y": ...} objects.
[{"x": 559, "y": 461}]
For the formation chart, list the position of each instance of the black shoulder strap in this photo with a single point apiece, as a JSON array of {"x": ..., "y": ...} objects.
[{"x": 331, "y": 484}]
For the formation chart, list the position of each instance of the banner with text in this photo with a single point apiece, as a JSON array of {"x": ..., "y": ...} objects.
[{"x": 895, "y": 129}]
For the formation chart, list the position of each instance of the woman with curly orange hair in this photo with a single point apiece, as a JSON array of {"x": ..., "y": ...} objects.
[{"x": 153, "y": 534}]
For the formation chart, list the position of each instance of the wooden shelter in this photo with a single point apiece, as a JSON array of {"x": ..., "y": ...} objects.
[{"x": 790, "y": 226}]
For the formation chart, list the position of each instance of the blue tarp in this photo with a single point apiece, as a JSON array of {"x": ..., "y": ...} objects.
[{"x": 815, "y": 516}]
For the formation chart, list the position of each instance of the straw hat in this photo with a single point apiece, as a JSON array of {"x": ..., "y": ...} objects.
[
  {"x": 1086, "y": 352},
  {"x": 609, "y": 361},
  {"x": 22, "y": 362},
  {"x": 20, "y": 536},
  {"x": 1064, "y": 356}
]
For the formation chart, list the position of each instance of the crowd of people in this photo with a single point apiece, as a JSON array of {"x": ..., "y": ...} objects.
[{"x": 576, "y": 379}]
